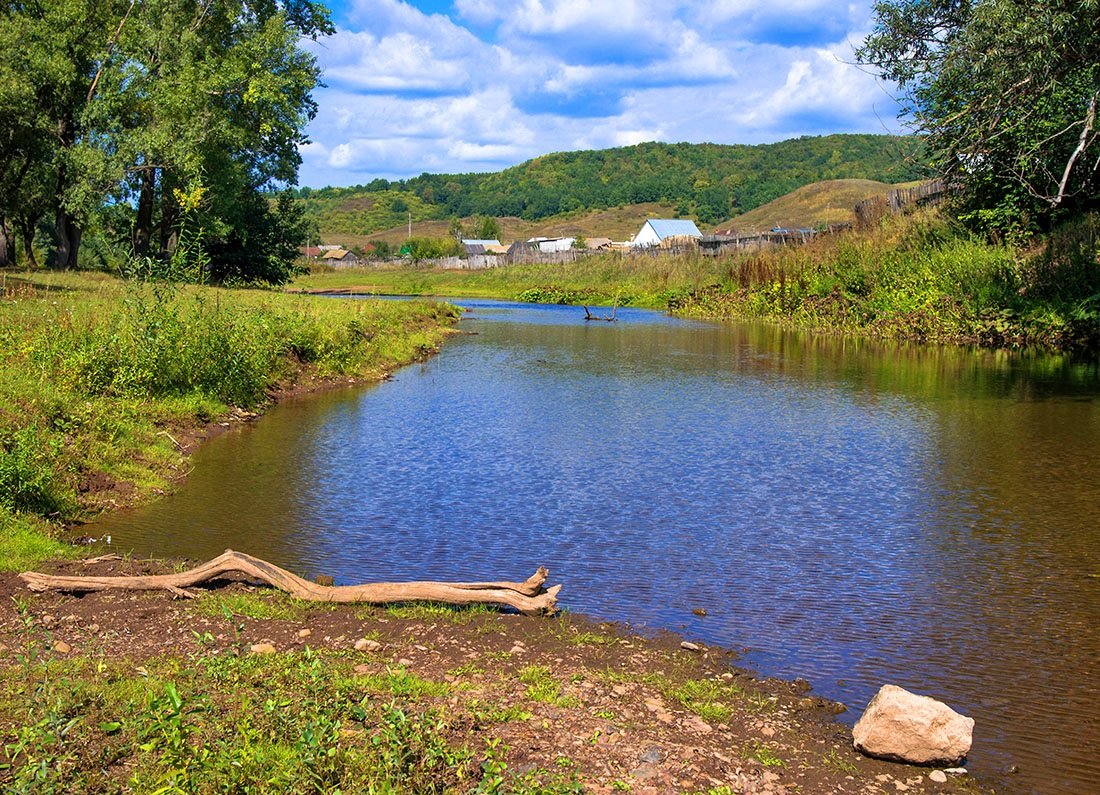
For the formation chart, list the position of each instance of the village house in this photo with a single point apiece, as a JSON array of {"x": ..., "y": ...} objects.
[
  {"x": 340, "y": 258},
  {"x": 548, "y": 245},
  {"x": 666, "y": 231}
]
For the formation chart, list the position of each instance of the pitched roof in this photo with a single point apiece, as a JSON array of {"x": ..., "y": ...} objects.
[
  {"x": 472, "y": 242},
  {"x": 336, "y": 253},
  {"x": 673, "y": 227}
]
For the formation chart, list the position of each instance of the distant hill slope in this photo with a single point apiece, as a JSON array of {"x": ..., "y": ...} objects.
[
  {"x": 707, "y": 182},
  {"x": 825, "y": 202},
  {"x": 618, "y": 223}
]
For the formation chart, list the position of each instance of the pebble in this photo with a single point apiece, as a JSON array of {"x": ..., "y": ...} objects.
[
  {"x": 653, "y": 755},
  {"x": 689, "y": 646},
  {"x": 61, "y": 647},
  {"x": 938, "y": 776},
  {"x": 405, "y": 661},
  {"x": 517, "y": 649},
  {"x": 955, "y": 771},
  {"x": 365, "y": 644},
  {"x": 262, "y": 648},
  {"x": 304, "y": 633}
]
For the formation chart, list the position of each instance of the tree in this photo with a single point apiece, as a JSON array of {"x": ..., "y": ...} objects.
[
  {"x": 484, "y": 227},
  {"x": 1006, "y": 93},
  {"x": 121, "y": 101}
]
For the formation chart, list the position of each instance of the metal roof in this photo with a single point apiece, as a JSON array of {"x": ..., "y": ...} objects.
[{"x": 674, "y": 227}]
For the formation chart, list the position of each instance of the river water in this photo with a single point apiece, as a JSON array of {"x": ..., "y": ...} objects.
[{"x": 848, "y": 512}]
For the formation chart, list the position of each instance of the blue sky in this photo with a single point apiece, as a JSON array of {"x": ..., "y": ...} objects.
[{"x": 480, "y": 85}]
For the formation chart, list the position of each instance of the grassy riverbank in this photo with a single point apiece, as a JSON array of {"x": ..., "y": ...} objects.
[
  {"x": 917, "y": 277},
  {"x": 245, "y": 690},
  {"x": 104, "y": 384}
]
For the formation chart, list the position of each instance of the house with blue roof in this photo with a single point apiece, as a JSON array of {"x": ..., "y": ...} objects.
[{"x": 658, "y": 231}]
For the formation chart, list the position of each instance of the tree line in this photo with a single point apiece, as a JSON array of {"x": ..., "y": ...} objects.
[{"x": 155, "y": 129}]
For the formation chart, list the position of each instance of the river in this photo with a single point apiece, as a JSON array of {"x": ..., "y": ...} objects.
[{"x": 849, "y": 512}]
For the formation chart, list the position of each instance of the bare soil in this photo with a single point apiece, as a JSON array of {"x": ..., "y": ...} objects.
[{"x": 618, "y": 716}]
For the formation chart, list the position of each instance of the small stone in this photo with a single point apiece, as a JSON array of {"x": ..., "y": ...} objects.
[
  {"x": 653, "y": 755},
  {"x": 405, "y": 662},
  {"x": 93, "y": 627},
  {"x": 517, "y": 649},
  {"x": 955, "y": 771},
  {"x": 689, "y": 646},
  {"x": 61, "y": 647},
  {"x": 366, "y": 644},
  {"x": 901, "y": 786},
  {"x": 938, "y": 776},
  {"x": 305, "y": 633},
  {"x": 262, "y": 648}
]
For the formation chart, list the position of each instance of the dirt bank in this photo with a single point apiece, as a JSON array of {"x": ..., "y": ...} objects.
[{"x": 558, "y": 703}]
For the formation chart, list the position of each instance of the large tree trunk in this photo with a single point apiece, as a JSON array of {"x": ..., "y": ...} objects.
[
  {"x": 68, "y": 241},
  {"x": 528, "y": 596},
  {"x": 7, "y": 245},
  {"x": 169, "y": 218},
  {"x": 26, "y": 231},
  {"x": 143, "y": 222}
]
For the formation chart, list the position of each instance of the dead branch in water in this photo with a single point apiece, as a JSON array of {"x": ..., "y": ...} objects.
[{"x": 528, "y": 596}]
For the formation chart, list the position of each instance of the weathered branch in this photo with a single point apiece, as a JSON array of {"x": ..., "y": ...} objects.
[
  {"x": 528, "y": 596},
  {"x": 1082, "y": 143},
  {"x": 110, "y": 48}
]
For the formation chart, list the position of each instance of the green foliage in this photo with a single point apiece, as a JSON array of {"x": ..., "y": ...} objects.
[
  {"x": 115, "y": 115},
  {"x": 29, "y": 480},
  {"x": 421, "y": 248},
  {"x": 1006, "y": 94}
]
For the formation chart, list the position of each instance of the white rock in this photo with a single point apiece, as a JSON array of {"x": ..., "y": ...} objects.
[
  {"x": 904, "y": 727},
  {"x": 938, "y": 776}
]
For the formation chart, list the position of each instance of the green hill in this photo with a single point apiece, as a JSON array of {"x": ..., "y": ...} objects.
[{"x": 707, "y": 182}]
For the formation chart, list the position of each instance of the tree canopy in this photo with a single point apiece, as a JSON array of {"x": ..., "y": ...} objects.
[
  {"x": 1006, "y": 93},
  {"x": 148, "y": 119}
]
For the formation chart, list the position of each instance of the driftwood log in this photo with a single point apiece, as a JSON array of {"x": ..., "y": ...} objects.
[{"x": 528, "y": 596}]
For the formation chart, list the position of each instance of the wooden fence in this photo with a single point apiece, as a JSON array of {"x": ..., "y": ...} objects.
[{"x": 899, "y": 200}]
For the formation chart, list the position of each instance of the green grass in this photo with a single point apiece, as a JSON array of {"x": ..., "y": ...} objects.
[
  {"x": 460, "y": 615},
  {"x": 96, "y": 374},
  {"x": 25, "y": 541},
  {"x": 542, "y": 687},
  {"x": 267, "y": 605},
  {"x": 285, "y": 723}
]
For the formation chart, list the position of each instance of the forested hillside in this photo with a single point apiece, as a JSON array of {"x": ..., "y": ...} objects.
[{"x": 709, "y": 182}]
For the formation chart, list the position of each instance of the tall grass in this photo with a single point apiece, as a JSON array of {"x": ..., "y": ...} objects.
[
  {"x": 918, "y": 276},
  {"x": 95, "y": 375},
  {"x": 921, "y": 277}
]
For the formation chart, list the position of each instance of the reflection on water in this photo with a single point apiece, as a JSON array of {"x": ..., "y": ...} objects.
[{"x": 848, "y": 512}]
